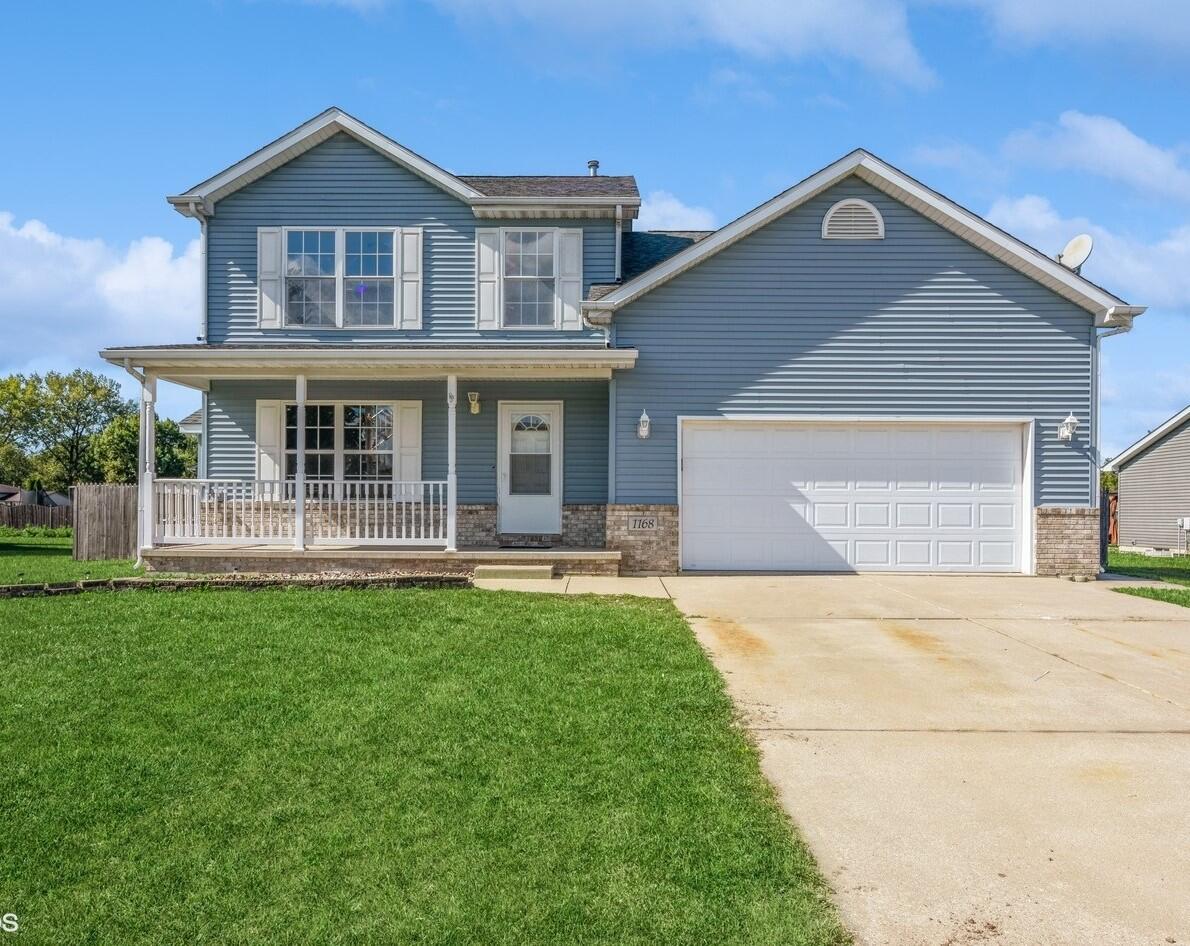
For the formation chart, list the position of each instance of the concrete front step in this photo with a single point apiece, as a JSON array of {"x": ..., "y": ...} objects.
[{"x": 519, "y": 572}]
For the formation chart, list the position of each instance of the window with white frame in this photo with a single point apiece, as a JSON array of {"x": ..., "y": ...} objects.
[
  {"x": 320, "y": 441},
  {"x": 311, "y": 283},
  {"x": 367, "y": 442},
  {"x": 343, "y": 442},
  {"x": 368, "y": 273},
  {"x": 530, "y": 278},
  {"x": 341, "y": 277}
]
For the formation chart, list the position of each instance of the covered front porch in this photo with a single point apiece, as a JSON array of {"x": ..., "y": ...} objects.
[{"x": 320, "y": 455}]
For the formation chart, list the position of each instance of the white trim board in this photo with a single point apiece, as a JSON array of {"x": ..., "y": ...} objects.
[
  {"x": 1028, "y": 434},
  {"x": 1109, "y": 310}
]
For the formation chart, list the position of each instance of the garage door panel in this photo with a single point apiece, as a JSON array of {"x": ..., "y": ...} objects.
[{"x": 794, "y": 497}]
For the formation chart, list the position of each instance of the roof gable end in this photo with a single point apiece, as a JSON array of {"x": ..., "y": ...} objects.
[
  {"x": 1149, "y": 440},
  {"x": 200, "y": 199},
  {"x": 1108, "y": 309}
]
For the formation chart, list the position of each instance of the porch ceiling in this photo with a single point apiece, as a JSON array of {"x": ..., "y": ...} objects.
[{"x": 196, "y": 366}]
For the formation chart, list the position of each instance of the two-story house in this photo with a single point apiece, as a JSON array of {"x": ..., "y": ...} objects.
[{"x": 401, "y": 367}]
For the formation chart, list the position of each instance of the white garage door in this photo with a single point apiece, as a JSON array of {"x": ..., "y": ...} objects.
[{"x": 825, "y": 497}]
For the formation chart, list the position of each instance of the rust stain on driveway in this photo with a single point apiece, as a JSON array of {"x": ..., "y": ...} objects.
[{"x": 736, "y": 638}]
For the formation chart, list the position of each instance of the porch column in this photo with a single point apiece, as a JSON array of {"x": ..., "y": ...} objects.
[
  {"x": 148, "y": 459},
  {"x": 452, "y": 481},
  {"x": 299, "y": 475}
]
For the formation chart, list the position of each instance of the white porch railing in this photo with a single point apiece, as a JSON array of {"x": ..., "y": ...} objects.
[{"x": 264, "y": 512}]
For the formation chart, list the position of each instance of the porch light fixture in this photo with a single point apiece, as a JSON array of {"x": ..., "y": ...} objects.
[
  {"x": 1067, "y": 428},
  {"x": 473, "y": 400},
  {"x": 642, "y": 426}
]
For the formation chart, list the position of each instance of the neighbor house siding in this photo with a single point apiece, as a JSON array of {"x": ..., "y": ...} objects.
[
  {"x": 232, "y": 424},
  {"x": 919, "y": 323},
  {"x": 1154, "y": 491},
  {"x": 344, "y": 183}
]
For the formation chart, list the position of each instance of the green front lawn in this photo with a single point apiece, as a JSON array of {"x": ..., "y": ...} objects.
[
  {"x": 431, "y": 767},
  {"x": 1170, "y": 595},
  {"x": 1175, "y": 569},
  {"x": 32, "y": 559}
]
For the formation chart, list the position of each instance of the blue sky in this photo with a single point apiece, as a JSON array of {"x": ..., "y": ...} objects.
[{"x": 1046, "y": 122}]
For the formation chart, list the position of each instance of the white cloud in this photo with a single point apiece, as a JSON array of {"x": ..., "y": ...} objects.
[
  {"x": 63, "y": 298},
  {"x": 959, "y": 157},
  {"x": 1146, "y": 374},
  {"x": 1150, "y": 23},
  {"x": 661, "y": 210},
  {"x": 874, "y": 33},
  {"x": 1104, "y": 146},
  {"x": 1152, "y": 272}
]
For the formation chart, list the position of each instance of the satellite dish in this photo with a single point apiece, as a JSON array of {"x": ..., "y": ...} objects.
[{"x": 1076, "y": 252}]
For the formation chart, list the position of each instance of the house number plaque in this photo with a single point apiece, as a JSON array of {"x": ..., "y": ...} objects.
[{"x": 642, "y": 523}]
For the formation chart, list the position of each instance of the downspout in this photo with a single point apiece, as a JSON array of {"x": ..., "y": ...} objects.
[
  {"x": 197, "y": 211},
  {"x": 1096, "y": 453}
]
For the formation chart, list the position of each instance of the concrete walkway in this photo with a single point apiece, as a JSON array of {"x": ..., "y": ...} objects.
[{"x": 972, "y": 760}]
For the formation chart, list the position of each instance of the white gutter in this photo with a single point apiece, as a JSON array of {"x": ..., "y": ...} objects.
[{"x": 455, "y": 357}]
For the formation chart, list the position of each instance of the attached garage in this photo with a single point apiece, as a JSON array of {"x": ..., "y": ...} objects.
[{"x": 854, "y": 496}]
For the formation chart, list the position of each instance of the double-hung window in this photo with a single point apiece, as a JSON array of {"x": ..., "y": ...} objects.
[
  {"x": 530, "y": 279},
  {"x": 343, "y": 442},
  {"x": 341, "y": 278}
]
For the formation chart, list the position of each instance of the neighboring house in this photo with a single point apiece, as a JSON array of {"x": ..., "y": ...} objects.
[
  {"x": 32, "y": 497},
  {"x": 857, "y": 374},
  {"x": 192, "y": 426},
  {"x": 1154, "y": 486}
]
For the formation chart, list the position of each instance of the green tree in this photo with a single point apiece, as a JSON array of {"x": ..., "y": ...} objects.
[
  {"x": 115, "y": 449},
  {"x": 54, "y": 417},
  {"x": 15, "y": 466},
  {"x": 1109, "y": 481}
]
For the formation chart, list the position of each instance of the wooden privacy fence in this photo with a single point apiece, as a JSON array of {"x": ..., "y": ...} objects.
[
  {"x": 22, "y": 516},
  {"x": 104, "y": 521}
]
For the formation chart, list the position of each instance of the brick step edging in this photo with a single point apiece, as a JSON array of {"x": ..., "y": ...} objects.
[{"x": 244, "y": 583}]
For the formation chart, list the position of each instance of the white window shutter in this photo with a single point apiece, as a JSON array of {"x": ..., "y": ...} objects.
[
  {"x": 409, "y": 296},
  {"x": 570, "y": 279},
  {"x": 269, "y": 455},
  {"x": 487, "y": 278},
  {"x": 269, "y": 264},
  {"x": 408, "y": 441}
]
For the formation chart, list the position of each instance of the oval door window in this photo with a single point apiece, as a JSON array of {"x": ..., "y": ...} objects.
[{"x": 529, "y": 459}]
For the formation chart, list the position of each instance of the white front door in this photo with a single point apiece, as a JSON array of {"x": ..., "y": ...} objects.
[{"x": 530, "y": 467}]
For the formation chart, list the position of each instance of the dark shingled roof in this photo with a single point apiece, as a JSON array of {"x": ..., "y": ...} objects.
[
  {"x": 195, "y": 417},
  {"x": 579, "y": 185},
  {"x": 644, "y": 249}
]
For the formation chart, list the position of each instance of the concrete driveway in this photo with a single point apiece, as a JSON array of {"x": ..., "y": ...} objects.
[{"x": 972, "y": 760}]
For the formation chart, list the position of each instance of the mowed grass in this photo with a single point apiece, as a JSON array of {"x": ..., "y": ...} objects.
[
  {"x": 26, "y": 559},
  {"x": 1169, "y": 595},
  {"x": 429, "y": 767},
  {"x": 1175, "y": 568}
]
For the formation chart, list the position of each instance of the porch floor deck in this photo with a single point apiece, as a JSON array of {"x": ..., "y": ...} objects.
[{"x": 371, "y": 559}]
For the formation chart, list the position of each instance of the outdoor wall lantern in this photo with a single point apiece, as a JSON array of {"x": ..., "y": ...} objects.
[
  {"x": 1067, "y": 428},
  {"x": 473, "y": 400},
  {"x": 642, "y": 426}
]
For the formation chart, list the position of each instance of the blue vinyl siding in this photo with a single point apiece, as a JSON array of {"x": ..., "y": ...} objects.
[
  {"x": 342, "y": 182},
  {"x": 231, "y": 416},
  {"x": 920, "y": 323}
]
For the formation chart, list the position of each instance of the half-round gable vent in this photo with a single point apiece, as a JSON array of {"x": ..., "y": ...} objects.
[{"x": 853, "y": 219}]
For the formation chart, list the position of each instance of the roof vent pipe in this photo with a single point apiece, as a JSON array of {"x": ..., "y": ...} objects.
[{"x": 593, "y": 167}]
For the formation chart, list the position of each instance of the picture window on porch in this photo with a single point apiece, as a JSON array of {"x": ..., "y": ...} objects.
[
  {"x": 343, "y": 442},
  {"x": 530, "y": 278}
]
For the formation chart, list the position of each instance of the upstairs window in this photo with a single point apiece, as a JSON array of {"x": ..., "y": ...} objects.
[
  {"x": 369, "y": 274},
  {"x": 346, "y": 277},
  {"x": 530, "y": 279},
  {"x": 310, "y": 277}
]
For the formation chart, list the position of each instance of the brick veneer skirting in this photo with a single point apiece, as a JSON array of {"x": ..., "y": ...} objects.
[
  {"x": 1066, "y": 540},
  {"x": 644, "y": 553},
  {"x": 583, "y": 527}
]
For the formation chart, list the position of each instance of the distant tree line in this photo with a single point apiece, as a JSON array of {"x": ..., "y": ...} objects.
[{"x": 57, "y": 430}]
